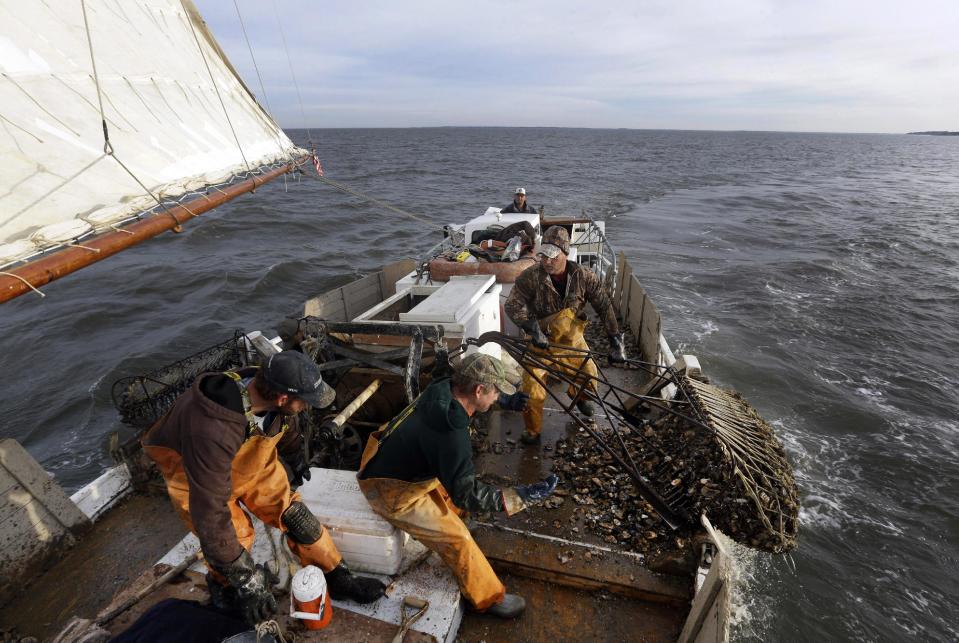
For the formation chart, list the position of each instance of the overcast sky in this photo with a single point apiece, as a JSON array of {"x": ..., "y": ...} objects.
[{"x": 795, "y": 65}]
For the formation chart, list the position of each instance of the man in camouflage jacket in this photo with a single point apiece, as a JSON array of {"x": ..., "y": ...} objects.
[{"x": 548, "y": 302}]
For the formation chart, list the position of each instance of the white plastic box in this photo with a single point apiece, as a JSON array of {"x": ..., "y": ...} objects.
[
  {"x": 367, "y": 542},
  {"x": 465, "y": 306}
]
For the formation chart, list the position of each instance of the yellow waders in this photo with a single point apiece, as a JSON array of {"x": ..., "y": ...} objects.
[
  {"x": 260, "y": 484},
  {"x": 425, "y": 511},
  {"x": 563, "y": 329}
]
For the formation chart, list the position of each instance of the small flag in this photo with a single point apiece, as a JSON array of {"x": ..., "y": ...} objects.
[{"x": 317, "y": 164}]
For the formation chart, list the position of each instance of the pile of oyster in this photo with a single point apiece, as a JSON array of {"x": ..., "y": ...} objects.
[
  {"x": 606, "y": 501},
  {"x": 688, "y": 463},
  {"x": 736, "y": 472}
]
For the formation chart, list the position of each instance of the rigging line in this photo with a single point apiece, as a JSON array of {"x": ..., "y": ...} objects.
[
  {"x": 266, "y": 99},
  {"x": 54, "y": 189},
  {"x": 155, "y": 197},
  {"x": 252, "y": 57},
  {"x": 25, "y": 131},
  {"x": 216, "y": 88},
  {"x": 309, "y": 135},
  {"x": 346, "y": 190},
  {"x": 38, "y": 104},
  {"x": 107, "y": 147}
]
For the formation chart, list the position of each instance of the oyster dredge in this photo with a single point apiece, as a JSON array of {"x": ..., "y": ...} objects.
[{"x": 368, "y": 472}]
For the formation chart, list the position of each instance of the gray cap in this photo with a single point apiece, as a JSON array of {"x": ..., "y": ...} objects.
[
  {"x": 486, "y": 369},
  {"x": 521, "y": 191}
]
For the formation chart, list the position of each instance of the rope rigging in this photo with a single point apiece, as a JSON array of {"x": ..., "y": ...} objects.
[
  {"x": 107, "y": 146},
  {"x": 216, "y": 88},
  {"x": 266, "y": 99},
  {"x": 309, "y": 134},
  {"x": 336, "y": 185}
]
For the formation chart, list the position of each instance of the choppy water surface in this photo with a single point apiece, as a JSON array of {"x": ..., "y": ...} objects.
[{"x": 816, "y": 274}]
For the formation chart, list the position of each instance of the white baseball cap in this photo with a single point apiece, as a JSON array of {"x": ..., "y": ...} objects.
[{"x": 521, "y": 191}]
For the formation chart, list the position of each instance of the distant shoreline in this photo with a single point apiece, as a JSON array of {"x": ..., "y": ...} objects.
[{"x": 943, "y": 133}]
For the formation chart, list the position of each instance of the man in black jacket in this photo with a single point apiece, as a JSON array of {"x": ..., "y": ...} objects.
[
  {"x": 418, "y": 474},
  {"x": 519, "y": 203}
]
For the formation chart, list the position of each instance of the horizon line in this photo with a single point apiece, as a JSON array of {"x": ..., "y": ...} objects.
[{"x": 635, "y": 129}]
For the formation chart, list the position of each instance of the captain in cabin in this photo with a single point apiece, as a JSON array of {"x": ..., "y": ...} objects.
[{"x": 519, "y": 203}]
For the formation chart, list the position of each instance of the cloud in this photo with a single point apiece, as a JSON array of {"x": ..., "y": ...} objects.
[{"x": 748, "y": 64}]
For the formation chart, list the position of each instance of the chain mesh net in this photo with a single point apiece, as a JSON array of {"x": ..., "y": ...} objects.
[
  {"x": 731, "y": 465},
  {"x": 143, "y": 399}
]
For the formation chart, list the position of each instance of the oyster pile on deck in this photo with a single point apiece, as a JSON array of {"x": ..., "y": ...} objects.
[
  {"x": 729, "y": 466},
  {"x": 606, "y": 502}
]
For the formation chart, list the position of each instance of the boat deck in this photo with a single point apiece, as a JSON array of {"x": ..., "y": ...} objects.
[
  {"x": 128, "y": 539},
  {"x": 576, "y": 585},
  {"x": 592, "y": 590}
]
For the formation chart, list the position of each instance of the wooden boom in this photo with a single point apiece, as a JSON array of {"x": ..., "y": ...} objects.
[{"x": 62, "y": 262}]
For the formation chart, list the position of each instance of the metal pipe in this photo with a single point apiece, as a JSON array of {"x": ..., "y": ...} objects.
[
  {"x": 63, "y": 262},
  {"x": 353, "y": 406}
]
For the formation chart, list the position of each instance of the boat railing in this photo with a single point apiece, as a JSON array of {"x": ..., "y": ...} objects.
[
  {"x": 601, "y": 258},
  {"x": 453, "y": 237}
]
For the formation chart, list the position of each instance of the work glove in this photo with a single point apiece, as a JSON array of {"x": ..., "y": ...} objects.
[
  {"x": 536, "y": 334},
  {"x": 531, "y": 493},
  {"x": 344, "y": 584},
  {"x": 330, "y": 431},
  {"x": 252, "y": 584},
  {"x": 518, "y": 401},
  {"x": 617, "y": 349},
  {"x": 299, "y": 469}
]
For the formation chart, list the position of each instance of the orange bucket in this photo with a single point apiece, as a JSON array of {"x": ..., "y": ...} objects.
[{"x": 309, "y": 600}]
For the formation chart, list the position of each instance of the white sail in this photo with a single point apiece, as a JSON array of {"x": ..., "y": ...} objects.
[{"x": 178, "y": 116}]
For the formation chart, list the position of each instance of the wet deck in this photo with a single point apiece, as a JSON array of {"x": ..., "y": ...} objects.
[
  {"x": 576, "y": 585},
  {"x": 130, "y": 538},
  {"x": 593, "y": 590}
]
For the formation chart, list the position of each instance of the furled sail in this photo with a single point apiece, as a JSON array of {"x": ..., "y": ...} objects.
[{"x": 178, "y": 119}]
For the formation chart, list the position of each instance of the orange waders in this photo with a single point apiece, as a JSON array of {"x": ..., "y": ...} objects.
[
  {"x": 425, "y": 511},
  {"x": 563, "y": 329},
  {"x": 260, "y": 483}
]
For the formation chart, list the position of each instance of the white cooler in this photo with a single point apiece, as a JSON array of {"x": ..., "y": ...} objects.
[{"x": 368, "y": 542}]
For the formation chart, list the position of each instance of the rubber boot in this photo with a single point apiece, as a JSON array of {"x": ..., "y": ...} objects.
[
  {"x": 529, "y": 438},
  {"x": 533, "y": 420},
  {"x": 344, "y": 585},
  {"x": 511, "y": 606},
  {"x": 586, "y": 408}
]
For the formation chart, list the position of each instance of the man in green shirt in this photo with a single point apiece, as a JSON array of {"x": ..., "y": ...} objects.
[{"x": 418, "y": 474}]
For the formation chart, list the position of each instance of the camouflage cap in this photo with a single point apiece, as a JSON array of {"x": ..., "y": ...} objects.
[
  {"x": 555, "y": 240},
  {"x": 486, "y": 369}
]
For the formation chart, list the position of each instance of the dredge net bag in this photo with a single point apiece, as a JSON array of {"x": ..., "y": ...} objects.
[
  {"x": 143, "y": 399},
  {"x": 731, "y": 464}
]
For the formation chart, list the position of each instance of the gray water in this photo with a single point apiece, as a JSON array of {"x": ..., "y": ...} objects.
[{"x": 815, "y": 273}]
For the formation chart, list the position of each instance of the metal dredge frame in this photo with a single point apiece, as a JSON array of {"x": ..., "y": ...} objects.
[
  {"x": 142, "y": 399},
  {"x": 753, "y": 453}
]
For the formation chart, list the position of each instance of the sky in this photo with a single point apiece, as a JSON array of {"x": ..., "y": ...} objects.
[{"x": 785, "y": 65}]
